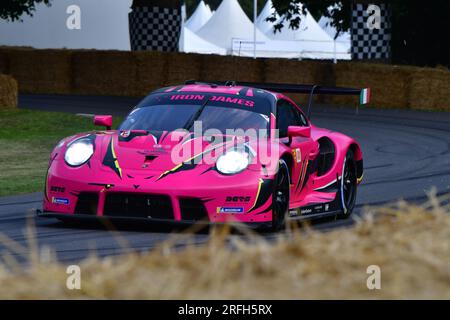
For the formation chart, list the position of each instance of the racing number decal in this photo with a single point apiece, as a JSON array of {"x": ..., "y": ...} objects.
[{"x": 297, "y": 154}]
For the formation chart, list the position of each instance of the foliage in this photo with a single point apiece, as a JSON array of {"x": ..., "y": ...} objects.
[{"x": 13, "y": 9}]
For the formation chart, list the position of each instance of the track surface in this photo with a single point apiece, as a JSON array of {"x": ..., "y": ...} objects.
[{"x": 406, "y": 153}]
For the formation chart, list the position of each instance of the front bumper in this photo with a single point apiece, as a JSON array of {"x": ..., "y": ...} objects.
[
  {"x": 210, "y": 196},
  {"x": 123, "y": 219}
]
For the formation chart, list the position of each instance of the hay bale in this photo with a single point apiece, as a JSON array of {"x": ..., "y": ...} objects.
[
  {"x": 299, "y": 72},
  {"x": 8, "y": 92},
  {"x": 4, "y": 61},
  {"x": 389, "y": 84},
  {"x": 408, "y": 243},
  {"x": 103, "y": 73},
  {"x": 41, "y": 71},
  {"x": 228, "y": 68},
  {"x": 182, "y": 67},
  {"x": 430, "y": 89},
  {"x": 151, "y": 71},
  {"x": 137, "y": 73}
]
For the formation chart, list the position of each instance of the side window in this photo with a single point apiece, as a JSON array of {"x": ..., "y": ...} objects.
[
  {"x": 302, "y": 118},
  {"x": 288, "y": 115}
]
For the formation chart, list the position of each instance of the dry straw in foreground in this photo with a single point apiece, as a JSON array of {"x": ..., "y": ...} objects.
[{"x": 409, "y": 243}]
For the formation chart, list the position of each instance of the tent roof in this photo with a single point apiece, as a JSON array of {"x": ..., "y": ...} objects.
[
  {"x": 266, "y": 12},
  {"x": 228, "y": 23},
  {"x": 310, "y": 37},
  {"x": 190, "y": 42},
  {"x": 309, "y": 29},
  {"x": 344, "y": 38},
  {"x": 200, "y": 16}
]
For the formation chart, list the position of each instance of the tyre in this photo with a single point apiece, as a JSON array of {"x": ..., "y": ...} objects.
[
  {"x": 348, "y": 185},
  {"x": 280, "y": 196}
]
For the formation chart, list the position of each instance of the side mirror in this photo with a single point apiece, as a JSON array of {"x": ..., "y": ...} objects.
[
  {"x": 103, "y": 120},
  {"x": 294, "y": 131}
]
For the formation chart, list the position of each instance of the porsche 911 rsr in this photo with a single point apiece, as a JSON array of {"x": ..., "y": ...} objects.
[{"x": 184, "y": 154}]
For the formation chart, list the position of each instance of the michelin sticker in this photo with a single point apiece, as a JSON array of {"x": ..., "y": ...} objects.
[
  {"x": 230, "y": 209},
  {"x": 60, "y": 201}
]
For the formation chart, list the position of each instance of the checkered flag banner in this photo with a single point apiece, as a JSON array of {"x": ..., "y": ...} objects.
[
  {"x": 155, "y": 28},
  {"x": 370, "y": 42}
]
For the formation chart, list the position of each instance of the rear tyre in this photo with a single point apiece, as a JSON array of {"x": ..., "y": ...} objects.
[
  {"x": 348, "y": 185},
  {"x": 280, "y": 196}
]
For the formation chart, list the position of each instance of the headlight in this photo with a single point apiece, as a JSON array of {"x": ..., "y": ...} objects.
[
  {"x": 79, "y": 152},
  {"x": 232, "y": 162}
]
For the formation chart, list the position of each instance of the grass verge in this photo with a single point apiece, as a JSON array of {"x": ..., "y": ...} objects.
[
  {"x": 26, "y": 140},
  {"x": 409, "y": 244}
]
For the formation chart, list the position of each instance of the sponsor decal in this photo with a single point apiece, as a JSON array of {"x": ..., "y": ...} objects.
[
  {"x": 315, "y": 209},
  {"x": 64, "y": 201},
  {"x": 306, "y": 211},
  {"x": 197, "y": 97},
  {"x": 57, "y": 189},
  {"x": 237, "y": 199},
  {"x": 294, "y": 213},
  {"x": 238, "y": 101},
  {"x": 160, "y": 148},
  {"x": 230, "y": 209},
  {"x": 298, "y": 155}
]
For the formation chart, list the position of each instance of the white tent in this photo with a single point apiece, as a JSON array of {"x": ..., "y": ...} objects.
[
  {"x": 190, "y": 42},
  {"x": 229, "y": 23},
  {"x": 268, "y": 11},
  {"x": 313, "y": 42},
  {"x": 104, "y": 25},
  {"x": 200, "y": 16},
  {"x": 343, "y": 39}
]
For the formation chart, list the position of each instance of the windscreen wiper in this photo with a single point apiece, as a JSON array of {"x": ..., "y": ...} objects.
[{"x": 196, "y": 115}]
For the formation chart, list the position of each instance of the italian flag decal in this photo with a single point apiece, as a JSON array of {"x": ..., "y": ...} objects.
[{"x": 365, "y": 96}]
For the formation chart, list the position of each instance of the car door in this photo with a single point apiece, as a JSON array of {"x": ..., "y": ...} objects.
[{"x": 303, "y": 150}]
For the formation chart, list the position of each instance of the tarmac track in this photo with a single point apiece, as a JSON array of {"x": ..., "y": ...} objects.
[{"x": 406, "y": 153}]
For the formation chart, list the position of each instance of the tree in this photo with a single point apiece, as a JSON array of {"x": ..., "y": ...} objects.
[
  {"x": 291, "y": 12},
  {"x": 419, "y": 30},
  {"x": 13, "y": 9}
]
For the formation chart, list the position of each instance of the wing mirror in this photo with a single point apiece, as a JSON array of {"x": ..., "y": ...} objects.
[
  {"x": 294, "y": 131},
  {"x": 103, "y": 120}
]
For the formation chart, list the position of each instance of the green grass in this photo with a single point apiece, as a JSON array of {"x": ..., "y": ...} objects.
[{"x": 26, "y": 140}]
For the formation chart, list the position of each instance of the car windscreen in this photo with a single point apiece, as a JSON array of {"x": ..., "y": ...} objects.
[
  {"x": 159, "y": 117},
  {"x": 172, "y": 117}
]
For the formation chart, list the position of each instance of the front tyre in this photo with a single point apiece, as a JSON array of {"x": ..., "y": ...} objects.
[
  {"x": 280, "y": 196},
  {"x": 348, "y": 185}
]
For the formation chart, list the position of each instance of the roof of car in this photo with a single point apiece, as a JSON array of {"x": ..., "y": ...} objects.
[{"x": 219, "y": 89}]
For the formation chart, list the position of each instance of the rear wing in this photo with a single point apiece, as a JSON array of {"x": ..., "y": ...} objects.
[{"x": 311, "y": 90}]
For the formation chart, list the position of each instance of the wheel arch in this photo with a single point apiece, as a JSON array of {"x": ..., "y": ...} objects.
[
  {"x": 359, "y": 160},
  {"x": 287, "y": 157}
]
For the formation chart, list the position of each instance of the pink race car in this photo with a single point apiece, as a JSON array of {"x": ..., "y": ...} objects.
[{"x": 208, "y": 152}]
